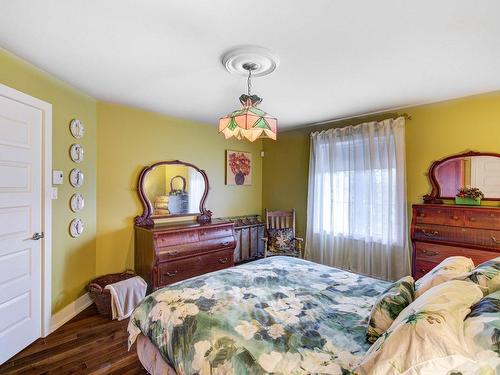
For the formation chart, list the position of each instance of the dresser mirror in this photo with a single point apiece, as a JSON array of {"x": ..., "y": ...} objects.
[
  {"x": 475, "y": 169},
  {"x": 172, "y": 189}
]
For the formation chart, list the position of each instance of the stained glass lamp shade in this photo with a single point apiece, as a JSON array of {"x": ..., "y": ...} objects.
[{"x": 249, "y": 122}]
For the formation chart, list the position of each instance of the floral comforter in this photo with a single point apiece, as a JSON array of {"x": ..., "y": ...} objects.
[{"x": 280, "y": 315}]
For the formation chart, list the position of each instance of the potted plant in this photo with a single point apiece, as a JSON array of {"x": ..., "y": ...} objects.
[{"x": 469, "y": 196}]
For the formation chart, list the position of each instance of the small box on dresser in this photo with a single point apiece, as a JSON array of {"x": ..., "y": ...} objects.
[
  {"x": 439, "y": 231},
  {"x": 167, "y": 253}
]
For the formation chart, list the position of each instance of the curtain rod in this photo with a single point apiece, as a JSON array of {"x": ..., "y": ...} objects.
[{"x": 406, "y": 115}]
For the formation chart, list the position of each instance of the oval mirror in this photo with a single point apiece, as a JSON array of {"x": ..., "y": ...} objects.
[
  {"x": 172, "y": 189},
  {"x": 474, "y": 169}
]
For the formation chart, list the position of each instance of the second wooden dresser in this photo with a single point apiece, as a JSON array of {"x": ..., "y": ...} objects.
[
  {"x": 439, "y": 231},
  {"x": 167, "y": 253}
]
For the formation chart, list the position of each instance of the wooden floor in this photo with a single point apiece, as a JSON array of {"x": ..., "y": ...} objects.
[{"x": 87, "y": 344}]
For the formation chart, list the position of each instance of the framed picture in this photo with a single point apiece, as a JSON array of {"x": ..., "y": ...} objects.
[{"x": 238, "y": 168}]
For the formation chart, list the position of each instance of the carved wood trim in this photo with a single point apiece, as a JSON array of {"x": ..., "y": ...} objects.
[
  {"x": 435, "y": 195},
  {"x": 146, "y": 219}
]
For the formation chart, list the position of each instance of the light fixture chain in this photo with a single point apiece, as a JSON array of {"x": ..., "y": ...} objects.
[{"x": 249, "y": 82}]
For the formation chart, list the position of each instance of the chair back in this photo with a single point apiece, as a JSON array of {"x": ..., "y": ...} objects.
[{"x": 280, "y": 219}]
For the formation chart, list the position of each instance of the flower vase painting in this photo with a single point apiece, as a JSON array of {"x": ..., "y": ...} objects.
[{"x": 238, "y": 168}]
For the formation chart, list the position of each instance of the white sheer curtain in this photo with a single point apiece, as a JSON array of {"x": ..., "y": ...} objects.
[
  {"x": 196, "y": 187},
  {"x": 356, "y": 210}
]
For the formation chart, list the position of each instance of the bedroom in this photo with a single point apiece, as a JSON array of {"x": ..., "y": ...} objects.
[{"x": 149, "y": 85}]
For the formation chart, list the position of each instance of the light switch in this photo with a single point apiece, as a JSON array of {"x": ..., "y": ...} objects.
[{"x": 57, "y": 177}]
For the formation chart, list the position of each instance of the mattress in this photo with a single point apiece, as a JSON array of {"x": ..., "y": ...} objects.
[{"x": 151, "y": 359}]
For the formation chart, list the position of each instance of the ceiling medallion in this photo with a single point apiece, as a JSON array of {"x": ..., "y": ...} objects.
[{"x": 249, "y": 122}]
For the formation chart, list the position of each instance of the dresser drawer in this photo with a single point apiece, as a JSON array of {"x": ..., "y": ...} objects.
[
  {"x": 482, "y": 237},
  {"x": 482, "y": 219},
  {"x": 190, "y": 249},
  {"x": 177, "y": 270},
  {"x": 421, "y": 268},
  {"x": 216, "y": 232},
  {"x": 428, "y": 255},
  {"x": 440, "y": 233},
  {"x": 443, "y": 216},
  {"x": 434, "y": 253},
  {"x": 175, "y": 238}
]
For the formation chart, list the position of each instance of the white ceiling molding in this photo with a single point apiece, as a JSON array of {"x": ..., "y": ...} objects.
[{"x": 336, "y": 58}]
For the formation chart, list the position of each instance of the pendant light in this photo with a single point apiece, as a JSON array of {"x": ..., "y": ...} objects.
[{"x": 249, "y": 122}]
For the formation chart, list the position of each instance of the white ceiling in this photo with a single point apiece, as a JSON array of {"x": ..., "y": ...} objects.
[{"x": 338, "y": 58}]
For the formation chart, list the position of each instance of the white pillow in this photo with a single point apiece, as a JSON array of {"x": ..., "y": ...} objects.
[
  {"x": 452, "y": 268},
  {"x": 428, "y": 336}
]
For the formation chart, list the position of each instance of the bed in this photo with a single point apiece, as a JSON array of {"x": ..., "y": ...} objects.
[{"x": 279, "y": 314}]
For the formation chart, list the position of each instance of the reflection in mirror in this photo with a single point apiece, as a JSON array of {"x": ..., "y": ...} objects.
[
  {"x": 174, "y": 190},
  {"x": 482, "y": 172}
]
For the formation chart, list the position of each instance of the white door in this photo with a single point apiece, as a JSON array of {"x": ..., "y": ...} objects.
[
  {"x": 20, "y": 219},
  {"x": 485, "y": 175}
]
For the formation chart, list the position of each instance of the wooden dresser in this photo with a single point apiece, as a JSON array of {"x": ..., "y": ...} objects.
[
  {"x": 167, "y": 253},
  {"x": 439, "y": 231}
]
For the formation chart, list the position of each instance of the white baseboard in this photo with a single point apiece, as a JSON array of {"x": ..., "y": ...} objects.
[{"x": 69, "y": 311}]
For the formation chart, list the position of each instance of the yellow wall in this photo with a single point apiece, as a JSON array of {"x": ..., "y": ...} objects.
[
  {"x": 127, "y": 140},
  {"x": 73, "y": 260},
  {"x": 435, "y": 131}
]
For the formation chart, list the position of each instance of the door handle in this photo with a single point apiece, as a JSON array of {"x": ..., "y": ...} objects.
[{"x": 37, "y": 236}]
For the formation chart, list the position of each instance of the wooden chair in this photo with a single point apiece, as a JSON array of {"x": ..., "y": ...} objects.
[{"x": 282, "y": 220}]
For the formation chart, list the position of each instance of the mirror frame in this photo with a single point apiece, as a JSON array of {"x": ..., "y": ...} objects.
[
  {"x": 147, "y": 218},
  {"x": 435, "y": 195}
]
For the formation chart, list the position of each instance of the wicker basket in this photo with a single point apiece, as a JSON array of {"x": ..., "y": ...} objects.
[{"x": 101, "y": 296}]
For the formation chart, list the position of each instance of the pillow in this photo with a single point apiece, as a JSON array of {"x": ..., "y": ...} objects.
[
  {"x": 452, "y": 268},
  {"x": 487, "y": 276},
  {"x": 280, "y": 239},
  {"x": 482, "y": 331},
  {"x": 428, "y": 336},
  {"x": 388, "y": 306}
]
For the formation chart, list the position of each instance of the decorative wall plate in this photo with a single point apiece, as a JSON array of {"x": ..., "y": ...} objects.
[
  {"x": 77, "y": 129},
  {"x": 76, "y": 152},
  {"x": 76, "y": 228},
  {"x": 76, "y": 177},
  {"x": 77, "y": 202}
]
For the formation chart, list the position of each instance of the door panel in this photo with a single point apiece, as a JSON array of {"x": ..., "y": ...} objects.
[
  {"x": 485, "y": 175},
  {"x": 20, "y": 216}
]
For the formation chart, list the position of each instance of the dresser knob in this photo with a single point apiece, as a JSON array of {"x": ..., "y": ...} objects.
[
  {"x": 225, "y": 243},
  {"x": 423, "y": 270},
  {"x": 455, "y": 217},
  {"x": 223, "y": 260},
  {"x": 431, "y": 233},
  {"x": 472, "y": 219},
  {"x": 172, "y": 252},
  {"x": 171, "y": 274},
  {"x": 422, "y": 215},
  {"x": 429, "y": 252},
  {"x": 495, "y": 240}
]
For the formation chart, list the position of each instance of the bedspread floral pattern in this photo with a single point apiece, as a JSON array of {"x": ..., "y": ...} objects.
[{"x": 277, "y": 315}]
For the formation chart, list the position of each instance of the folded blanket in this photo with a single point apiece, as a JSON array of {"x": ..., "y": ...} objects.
[{"x": 126, "y": 295}]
